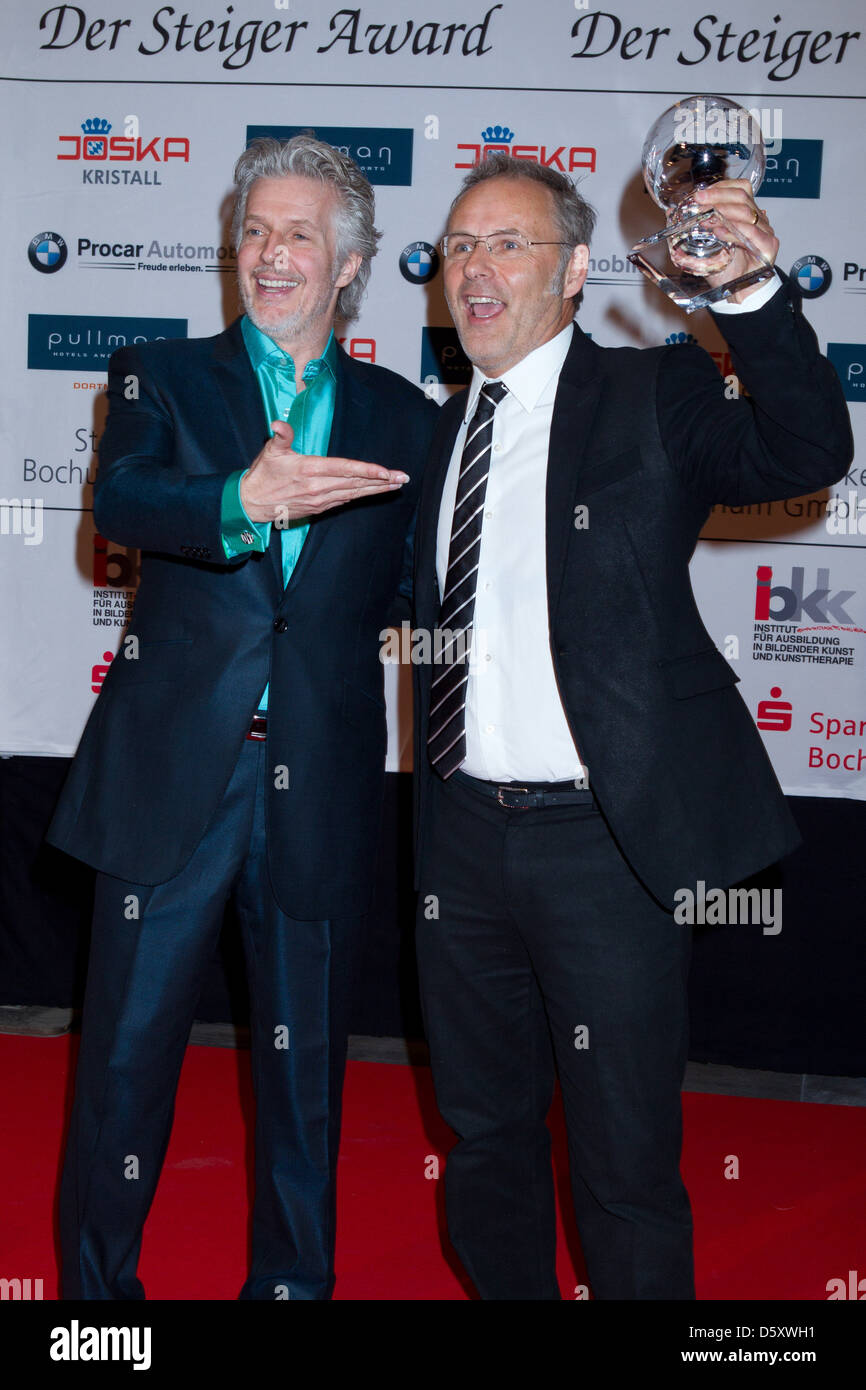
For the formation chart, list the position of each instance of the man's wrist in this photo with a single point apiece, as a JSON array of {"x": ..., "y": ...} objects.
[
  {"x": 760, "y": 296},
  {"x": 239, "y": 533}
]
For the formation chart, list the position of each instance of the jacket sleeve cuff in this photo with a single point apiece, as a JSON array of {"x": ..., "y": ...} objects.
[{"x": 756, "y": 300}]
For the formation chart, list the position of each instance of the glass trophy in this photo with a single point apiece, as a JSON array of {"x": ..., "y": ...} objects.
[{"x": 692, "y": 145}]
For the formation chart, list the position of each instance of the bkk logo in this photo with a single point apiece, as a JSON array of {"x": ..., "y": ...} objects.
[
  {"x": 795, "y": 171},
  {"x": 117, "y": 568},
  {"x": 382, "y": 153},
  {"x": 496, "y": 139},
  {"x": 47, "y": 252},
  {"x": 793, "y": 604},
  {"x": 78, "y": 342}
]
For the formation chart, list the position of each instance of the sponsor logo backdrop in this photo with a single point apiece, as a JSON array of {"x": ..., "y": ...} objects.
[{"x": 122, "y": 135}]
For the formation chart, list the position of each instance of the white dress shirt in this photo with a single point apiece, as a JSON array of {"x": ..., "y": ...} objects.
[
  {"x": 515, "y": 725},
  {"x": 516, "y": 730}
]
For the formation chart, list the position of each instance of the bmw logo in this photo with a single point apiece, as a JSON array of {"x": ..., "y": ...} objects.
[
  {"x": 47, "y": 252},
  {"x": 419, "y": 262},
  {"x": 812, "y": 275}
]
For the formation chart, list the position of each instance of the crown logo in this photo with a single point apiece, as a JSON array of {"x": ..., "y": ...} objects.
[
  {"x": 96, "y": 125},
  {"x": 497, "y": 135},
  {"x": 675, "y": 339}
]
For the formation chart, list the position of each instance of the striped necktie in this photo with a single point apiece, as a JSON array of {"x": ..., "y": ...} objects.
[{"x": 446, "y": 739}]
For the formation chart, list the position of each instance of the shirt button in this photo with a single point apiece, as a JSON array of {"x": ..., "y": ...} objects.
[
  {"x": 487, "y": 656},
  {"x": 487, "y": 585},
  {"x": 280, "y": 625},
  {"x": 497, "y": 448},
  {"x": 488, "y": 516},
  {"x": 489, "y": 728}
]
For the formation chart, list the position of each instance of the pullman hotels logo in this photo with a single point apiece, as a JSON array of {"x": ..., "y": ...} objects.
[
  {"x": 84, "y": 342},
  {"x": 382, "y": 153},
  {"x": 794, "y": 171},
  {"x": 443, "y": 360}
]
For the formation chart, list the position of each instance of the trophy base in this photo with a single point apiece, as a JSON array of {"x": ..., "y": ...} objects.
[{"x": 688, "y": 286}]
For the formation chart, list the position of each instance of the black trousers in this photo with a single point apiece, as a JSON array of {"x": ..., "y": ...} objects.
[
  {"x": 149, "y": 949},
  {"x": 539, "y": 951}
]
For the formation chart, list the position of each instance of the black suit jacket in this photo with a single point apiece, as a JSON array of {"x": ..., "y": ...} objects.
[
  {"x": 168, "y": 726},
  {"x": 648, "y": 442}
]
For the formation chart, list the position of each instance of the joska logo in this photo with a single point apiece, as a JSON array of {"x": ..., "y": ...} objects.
[
  {"x": 497, "y": 139},
  {"x": 96, "y": 144},
  {"x": 383, "y": 154},
  {"x": 793, "y": 604},
  {"x": 794, "y": 171},
  {"x": 84, "y": 343}
]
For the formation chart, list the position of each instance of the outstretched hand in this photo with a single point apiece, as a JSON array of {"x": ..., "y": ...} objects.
[{"x": 282, "y": 485}]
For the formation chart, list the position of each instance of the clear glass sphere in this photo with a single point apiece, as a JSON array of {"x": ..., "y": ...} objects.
[{"x": 698, "y": 141}]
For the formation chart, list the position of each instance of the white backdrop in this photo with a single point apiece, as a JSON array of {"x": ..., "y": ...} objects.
[{"x": 121, "y": 136}]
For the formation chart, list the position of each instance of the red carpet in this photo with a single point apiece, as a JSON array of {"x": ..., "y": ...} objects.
[{"x": 793, "y": 1219}]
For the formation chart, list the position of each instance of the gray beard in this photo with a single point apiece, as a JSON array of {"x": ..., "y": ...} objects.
[{"x": 284, "y": 330}]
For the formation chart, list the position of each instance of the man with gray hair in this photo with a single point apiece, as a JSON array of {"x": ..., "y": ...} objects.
[
  {"x": 237, "y": 748},
  {"x": 595, "y": 758}
]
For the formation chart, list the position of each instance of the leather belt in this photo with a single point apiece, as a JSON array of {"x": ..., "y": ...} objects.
[
  {"x": 528, "y": 797},
  {"x": 259, "y": 727}
]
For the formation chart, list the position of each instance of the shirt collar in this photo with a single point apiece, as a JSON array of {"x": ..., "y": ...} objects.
[
  {"x": 526, "y": 381},
  {"x": 260, "y": 348}
]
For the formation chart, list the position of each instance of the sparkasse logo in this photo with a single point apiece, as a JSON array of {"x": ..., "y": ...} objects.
[
  {"x": 496, "y": 139},
  {"x": 775, "y": 715}
]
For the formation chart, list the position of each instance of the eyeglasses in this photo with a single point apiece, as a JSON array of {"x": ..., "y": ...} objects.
[{"x": 458, "y": 246}]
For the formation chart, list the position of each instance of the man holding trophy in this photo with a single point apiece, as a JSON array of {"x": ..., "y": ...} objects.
[{"x": 592, "y": 756}]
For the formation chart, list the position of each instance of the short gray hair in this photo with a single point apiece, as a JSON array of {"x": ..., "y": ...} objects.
[
  {"x": 310, "y": 158},
  {"x": 575, "y": 218}
]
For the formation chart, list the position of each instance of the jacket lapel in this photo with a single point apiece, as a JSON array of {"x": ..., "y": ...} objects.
[
  {"x": 427, "y": 530},
  {"x": 248, "y": 430},
  {"x": 574, "y": 410}
]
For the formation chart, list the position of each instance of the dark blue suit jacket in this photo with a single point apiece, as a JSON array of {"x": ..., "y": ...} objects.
[
  {"x": 647, "y": 442},
  {"x": 168, "y": 726}
]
